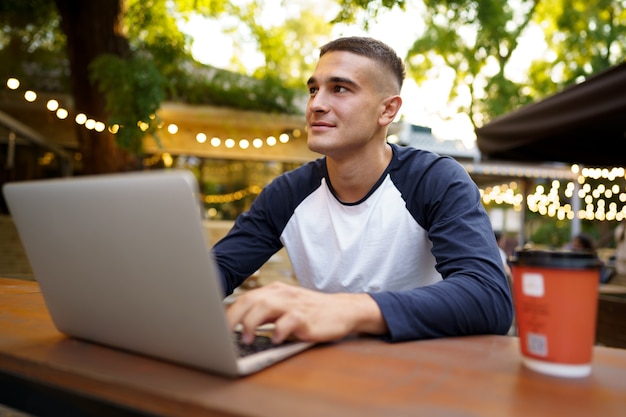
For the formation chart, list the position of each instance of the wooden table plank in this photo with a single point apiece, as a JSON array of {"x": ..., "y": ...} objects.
[{"x": 467, "y": 376}]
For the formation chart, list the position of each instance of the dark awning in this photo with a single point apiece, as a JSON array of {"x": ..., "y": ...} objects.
[{"x": 583, "y": 124}]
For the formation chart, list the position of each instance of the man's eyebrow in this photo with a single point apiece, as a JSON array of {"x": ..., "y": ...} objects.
[{"x": 334, "y": 80}]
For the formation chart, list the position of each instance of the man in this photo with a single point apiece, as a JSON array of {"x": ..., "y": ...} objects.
[
  {"x": 384, "y": 240},
  {"x": 620, "y": 249},
  {"x": 501, "y": 242}
]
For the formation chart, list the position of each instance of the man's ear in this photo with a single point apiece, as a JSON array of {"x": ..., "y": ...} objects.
[{"x": 392, "y": 107}]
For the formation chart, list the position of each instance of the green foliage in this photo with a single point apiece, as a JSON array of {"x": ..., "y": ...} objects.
[
  {"x": 30, "y": 32},
  {"x": 289, "y": 49},
  {"x": 476, "y": 39},
  {"x": 152, "y": 27},
  {"x": 350, "y": 10},
  {"x": 26, "y": 15},
  {"x": 585, "y": 40},
  {"x": 33, "y": 49},
  {"x": 203, "y": 7},
  {"x": 199, "y": 84},
  {"x": 556, "y": 233},
  {"x": 133, "y": 89},
  {"x": 504, "y": 96},
  {"x": 552, "y": 233},
  {"x": 153, "y": 30}
]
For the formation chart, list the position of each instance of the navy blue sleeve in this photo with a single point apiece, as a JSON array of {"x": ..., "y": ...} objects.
[
  {"x": 474, "y": 296},
  {"x": 255, "y": 236}
]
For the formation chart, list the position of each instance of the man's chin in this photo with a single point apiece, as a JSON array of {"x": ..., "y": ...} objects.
[{"x": 319, "y": 145}]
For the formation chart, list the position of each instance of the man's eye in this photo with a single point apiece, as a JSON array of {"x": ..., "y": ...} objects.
[
  {"x": 313, "y": 90},
  {"x": 340, "y": 89}
]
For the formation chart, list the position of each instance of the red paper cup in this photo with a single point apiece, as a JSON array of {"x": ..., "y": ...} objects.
[{"x": 556, "y": 304}]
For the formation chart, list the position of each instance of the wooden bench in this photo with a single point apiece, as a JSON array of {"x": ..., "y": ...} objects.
[{"x": 611, "y": 323}]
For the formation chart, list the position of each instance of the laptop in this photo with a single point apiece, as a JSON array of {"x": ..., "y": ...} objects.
[{"x": 122, "y": 260}]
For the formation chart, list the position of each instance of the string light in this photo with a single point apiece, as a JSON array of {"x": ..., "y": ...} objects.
[
  {"x": 52, "y": 105},
  {"x": 173, "y": 129},
  {"x": 80, "y": 118},
  {"x": 30, "y": 96},
  {"x": 547, "y": 202},
  {"x": 90, "y": 124},
  {"x": 100, "y": 127},
  {"x": 13, "y": 83},
  {"x": 231, "y": 197},
  {"x": 542, "y": 201}
]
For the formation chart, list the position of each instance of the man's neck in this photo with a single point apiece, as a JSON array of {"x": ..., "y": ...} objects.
[{"x": 352, "y": 178}]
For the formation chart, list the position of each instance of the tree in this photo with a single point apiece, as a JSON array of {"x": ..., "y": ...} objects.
[
  {"x": 583, "y": 39},
  {"x": 289, "y": 48},
  {"x": 94, "y": 35},
  {"x": 125, "y": 56},
  {"x": 140, "y": 43},
  {"x": 477, "y": 39},
  {"x": 99, "y": 151}
]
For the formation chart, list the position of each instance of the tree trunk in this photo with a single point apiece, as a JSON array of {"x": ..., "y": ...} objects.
[{"x": 93, "y": 28}]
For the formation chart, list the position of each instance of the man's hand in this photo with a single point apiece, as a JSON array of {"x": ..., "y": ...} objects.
[{"x": 305, "y": 314}]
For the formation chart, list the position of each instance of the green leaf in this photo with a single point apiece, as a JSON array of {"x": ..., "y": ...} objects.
[{"x": 133, "y": 89}]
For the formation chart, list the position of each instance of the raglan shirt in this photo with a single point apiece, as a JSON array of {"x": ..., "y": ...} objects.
[{"x": 420, "y": 243}]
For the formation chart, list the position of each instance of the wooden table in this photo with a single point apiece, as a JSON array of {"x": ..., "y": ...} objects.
[{"x": 468, "y": 376}]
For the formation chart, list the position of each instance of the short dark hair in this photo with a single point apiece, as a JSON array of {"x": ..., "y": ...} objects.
[
  {"x": 370, "y": 48},
  {"x": 585, "y": 241}
]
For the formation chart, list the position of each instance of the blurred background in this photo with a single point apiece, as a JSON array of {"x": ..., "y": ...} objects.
[{"x": 527, "y": 94}]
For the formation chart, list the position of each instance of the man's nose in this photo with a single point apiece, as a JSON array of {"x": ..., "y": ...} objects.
[{"x": 318, "y": 102}]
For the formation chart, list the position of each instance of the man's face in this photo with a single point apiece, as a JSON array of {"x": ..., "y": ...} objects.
[{"x": 347, "y": 98}]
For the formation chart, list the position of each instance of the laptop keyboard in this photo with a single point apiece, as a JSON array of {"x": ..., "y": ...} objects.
[{"x": 260, "y": 344}]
